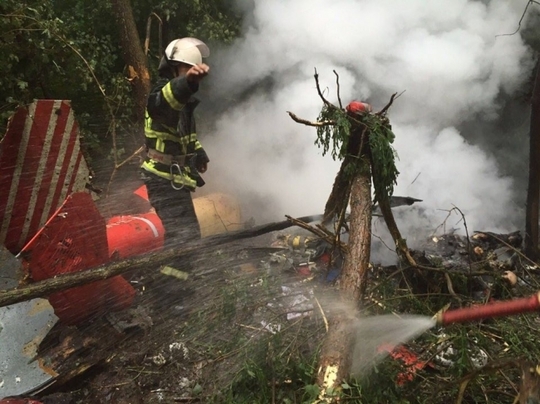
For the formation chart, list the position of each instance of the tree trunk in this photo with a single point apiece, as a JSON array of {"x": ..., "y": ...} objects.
[
  {"x": 134, "y": 57},
  {"x": 335, "y": 359},
  {"x": 533, "y": 193},
  {"x": 353, "y": 277}
]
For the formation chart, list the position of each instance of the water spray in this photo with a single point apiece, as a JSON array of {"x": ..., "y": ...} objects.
[{"x": 490, "y": 310}]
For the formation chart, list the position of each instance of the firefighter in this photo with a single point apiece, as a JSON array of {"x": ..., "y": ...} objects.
[{"x": 174, "y": 156}]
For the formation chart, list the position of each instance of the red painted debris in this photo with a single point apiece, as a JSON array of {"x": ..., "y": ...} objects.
[
  {"x": 142, "y": 192},
  {"x": 75, "y": 239},
  {"x": 357, "y": 107},
  {"x": 408, "y": 358},
  {"x": 40, "y": 164},
  {"x": 304, "y": 269},
  {"x": 19, "y": 401},
  {"x": 325, "y": 258}
]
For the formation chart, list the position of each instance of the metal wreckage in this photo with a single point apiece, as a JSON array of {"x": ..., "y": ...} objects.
[{"x": 51, "y": 226}]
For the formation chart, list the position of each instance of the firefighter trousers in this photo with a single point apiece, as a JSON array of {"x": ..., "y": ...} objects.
[{"x": 175, "y": 210}]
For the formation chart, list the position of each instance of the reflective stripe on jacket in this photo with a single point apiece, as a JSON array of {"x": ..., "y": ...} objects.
[{"x": 170, "y": 129}]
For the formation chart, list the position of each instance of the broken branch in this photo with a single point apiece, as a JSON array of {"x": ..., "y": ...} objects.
[
  {"x": 329, "y": 239},
  {"x": 383, "y": 111},
  {"x": 326, "y": 102},
  {"x": 106, "y": 271},
  {"x": 337, "y": 85},
  {"x": 310, "y": 123}
]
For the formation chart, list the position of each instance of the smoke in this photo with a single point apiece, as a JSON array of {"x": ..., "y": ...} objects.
[{"x": 453, "y": 62}]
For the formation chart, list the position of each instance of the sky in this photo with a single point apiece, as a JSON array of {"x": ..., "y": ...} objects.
[{"x": 453, "y": 64}]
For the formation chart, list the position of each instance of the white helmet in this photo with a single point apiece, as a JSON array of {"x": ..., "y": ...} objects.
[{"x": 187, "y": 50}]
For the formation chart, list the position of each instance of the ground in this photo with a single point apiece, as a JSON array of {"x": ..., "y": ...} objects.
[
  {"x": 243, "y": 322},
  {"x": 183, "y": 338},
  {"x": 245, "y": 327}
]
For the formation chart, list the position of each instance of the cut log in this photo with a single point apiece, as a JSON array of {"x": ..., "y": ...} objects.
[{"x": 61, "y": 282}]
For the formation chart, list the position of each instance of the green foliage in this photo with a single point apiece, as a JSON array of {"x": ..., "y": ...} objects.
[
  {"x": 214, "y": 21},
  {"x": 455, "y": 353},
  {"x": 69, "y": 50},
  {"x": 334, "y": 138},
  {"x": 383, "y": 155},
  {"x": 23, "y": 48},
  {"x": 57, "y": 49}
]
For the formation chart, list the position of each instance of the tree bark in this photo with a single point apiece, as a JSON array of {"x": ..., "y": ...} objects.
[
  {"x": 335, "y": 359},
  {"x": 533, "y": 192},
  {"x": 134, "y": 57},
  {"x": 353, "y": 276}
]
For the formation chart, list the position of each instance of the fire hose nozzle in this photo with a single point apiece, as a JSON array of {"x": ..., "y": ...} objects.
[{"x": 438, "y": 317}]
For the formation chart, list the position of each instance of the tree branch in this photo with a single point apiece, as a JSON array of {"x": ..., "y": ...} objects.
[
  {"x": 337, "y": 84},
  {"x": 69, "y": 280},
  {"x": 385, "y": 109},
  {"x": 521, "y": 19},
  {"x": 310, "y": 123},
  {"x": 317, "y": 231},
  {"x": 148, "y": 28},
  {"x": 326, "y": 102}
]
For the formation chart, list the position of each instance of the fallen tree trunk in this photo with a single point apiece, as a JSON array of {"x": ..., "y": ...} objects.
[{"x": 66, "y": 281}]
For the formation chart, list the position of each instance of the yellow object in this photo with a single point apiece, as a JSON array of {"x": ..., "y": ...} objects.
[
  {"x": 217, "y": 213},
  {"x": 167, "y": 270}
]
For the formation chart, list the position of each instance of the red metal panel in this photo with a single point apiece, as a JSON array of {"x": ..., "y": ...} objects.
[
  {"x": 46, "y": 173},
  {"x": 39, "y": 160},
  {"x": 23, "y": 145},
  {"x": 71, "y": 150},
  {"x": 30, "y": 162},
  {"x": 75, "y": 239}
]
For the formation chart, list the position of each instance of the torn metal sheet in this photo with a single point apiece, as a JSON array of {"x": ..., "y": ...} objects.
[
  {"x": 22, "y": 328},
  {"x": 10, "y": 269}
]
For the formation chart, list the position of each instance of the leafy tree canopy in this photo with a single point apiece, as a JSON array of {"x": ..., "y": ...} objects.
[{"x": 68, "y": 49}]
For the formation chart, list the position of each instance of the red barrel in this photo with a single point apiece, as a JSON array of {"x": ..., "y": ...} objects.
[{"x": 128, "y": 236}]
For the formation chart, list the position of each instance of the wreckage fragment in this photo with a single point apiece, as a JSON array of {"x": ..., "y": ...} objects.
[{"x": 22, "y": 328}]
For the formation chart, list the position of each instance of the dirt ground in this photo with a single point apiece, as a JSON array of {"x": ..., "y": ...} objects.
[{"x": 178, "y": 342}]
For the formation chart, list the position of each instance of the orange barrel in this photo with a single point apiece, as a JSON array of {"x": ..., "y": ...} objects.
[{"x": 128, "y": 236}]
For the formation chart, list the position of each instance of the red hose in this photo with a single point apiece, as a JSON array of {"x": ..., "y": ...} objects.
[{"x": 490, "y": 310}]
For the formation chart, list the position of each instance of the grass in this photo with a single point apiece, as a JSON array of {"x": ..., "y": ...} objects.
[{"x": 244, "y": 349}]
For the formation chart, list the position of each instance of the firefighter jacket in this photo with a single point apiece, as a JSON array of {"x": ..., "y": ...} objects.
[{"x": 170, "y": 131}]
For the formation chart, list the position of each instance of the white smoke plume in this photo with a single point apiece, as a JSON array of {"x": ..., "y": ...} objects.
[{"x": 453, "y": 61}]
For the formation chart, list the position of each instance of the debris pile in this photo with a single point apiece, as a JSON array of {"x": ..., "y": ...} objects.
[{"x": 160, "y": 349}]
